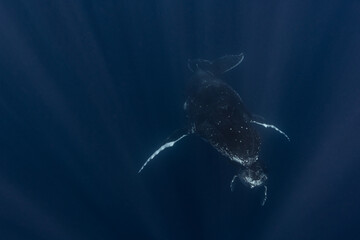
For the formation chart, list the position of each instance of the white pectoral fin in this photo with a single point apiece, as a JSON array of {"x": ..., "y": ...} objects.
[
  {"x": 265, "y": 196},
  {"x": 163, "y": 147},
  {"x": 271, "y": 126},
  {"x": 232, "y": 182}
]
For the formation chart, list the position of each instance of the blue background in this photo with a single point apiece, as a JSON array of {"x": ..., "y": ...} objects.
[{"x": 89, "y": 89}]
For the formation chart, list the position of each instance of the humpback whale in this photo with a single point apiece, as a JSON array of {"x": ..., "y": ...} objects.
[{"x": 216, "y": 113}]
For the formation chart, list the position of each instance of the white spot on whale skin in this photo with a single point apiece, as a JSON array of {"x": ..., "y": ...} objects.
[
  {"x": 163, "y": 147},
  {"x": 244, "y": 162}
]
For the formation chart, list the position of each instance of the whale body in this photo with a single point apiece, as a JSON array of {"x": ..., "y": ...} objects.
[{"x": 216, "y": 113}]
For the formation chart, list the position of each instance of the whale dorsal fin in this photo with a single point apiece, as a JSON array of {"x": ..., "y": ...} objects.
[{"x": 218, "y": 66}]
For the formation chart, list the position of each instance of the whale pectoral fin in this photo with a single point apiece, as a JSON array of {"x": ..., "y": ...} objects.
[
  {"x": 271, "y": 126},
  {"x": 233, "y": 182},
  {"x": 257, "y": 118},
  {"x": 174, "y": 138},
  {"x": 265, "y": 196},
  {"x": 226, "y": 63},
  {"x": 177, "y": 134}
]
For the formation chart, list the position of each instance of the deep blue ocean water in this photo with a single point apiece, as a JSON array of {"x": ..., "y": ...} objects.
[{"x": 89, "y": 89}]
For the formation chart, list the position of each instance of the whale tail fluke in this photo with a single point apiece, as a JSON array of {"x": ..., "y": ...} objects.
[{"x": 218, "y": 66}]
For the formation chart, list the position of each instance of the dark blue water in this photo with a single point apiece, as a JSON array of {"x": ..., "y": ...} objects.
[{"x": 89, "y": 89}]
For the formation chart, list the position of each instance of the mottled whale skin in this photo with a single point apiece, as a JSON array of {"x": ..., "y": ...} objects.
[{"x": 217, "y": 114}]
